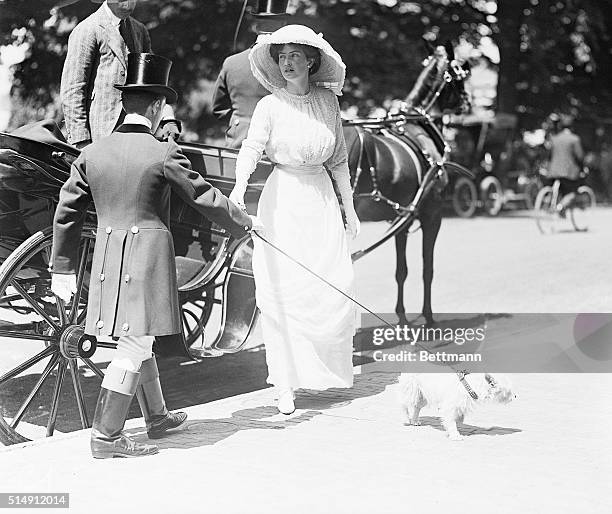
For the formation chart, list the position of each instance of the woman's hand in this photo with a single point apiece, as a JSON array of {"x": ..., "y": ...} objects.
[
  {"x": 353, "y": 225},
  {"x": 237, "y": 196}
]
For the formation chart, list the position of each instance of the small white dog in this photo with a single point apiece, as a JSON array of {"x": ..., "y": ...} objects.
[{"x": 445, "y": 391}]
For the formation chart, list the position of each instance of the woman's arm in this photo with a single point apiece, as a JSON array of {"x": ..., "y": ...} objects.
[
  {"x": 251, "y": 150},
  {"x": 337, "y": 165}
]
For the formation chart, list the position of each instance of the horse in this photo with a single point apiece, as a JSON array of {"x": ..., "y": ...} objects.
[{"x": 389, "y": 158}]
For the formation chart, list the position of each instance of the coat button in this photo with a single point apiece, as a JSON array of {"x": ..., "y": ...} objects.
[
  {"x": 109, "y": 230},
  {"x": 237, "y": 122},
  {"x": 246, "y": 228},
  {"x": 135, "y": 229},
  {"x": 100, "y": 324},
  {"x": 125, "y": 327},
  {"x": 101, "y": 277},
  {"x": 127, "y": 277}
]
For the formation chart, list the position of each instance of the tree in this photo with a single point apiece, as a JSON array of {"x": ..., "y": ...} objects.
[{"x": 555, "y": 54}]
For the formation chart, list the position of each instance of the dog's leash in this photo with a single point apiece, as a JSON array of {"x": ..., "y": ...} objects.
[{"x": 461, "y": 374}]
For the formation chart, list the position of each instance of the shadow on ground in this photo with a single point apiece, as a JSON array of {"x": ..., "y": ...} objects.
[
  {"x": 465, "y": 429},
  {"x": 204, "y": 432}
]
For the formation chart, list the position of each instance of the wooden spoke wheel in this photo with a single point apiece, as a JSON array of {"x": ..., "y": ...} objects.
[{"x": 48, "y": 381}]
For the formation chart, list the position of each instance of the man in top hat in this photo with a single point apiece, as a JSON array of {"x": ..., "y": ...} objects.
[
  {"x": 133, "y": 294},
  {"x": 236, "y": 91},
  {"x": 96, "y": 60}
]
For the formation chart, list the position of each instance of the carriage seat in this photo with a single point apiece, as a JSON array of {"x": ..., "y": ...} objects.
[{"x": 45, "y": 131}]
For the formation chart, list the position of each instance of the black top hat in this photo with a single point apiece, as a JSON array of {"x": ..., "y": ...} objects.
[
  {"x": 149, "y": 72},
  {"x": 270, "y": 8}
]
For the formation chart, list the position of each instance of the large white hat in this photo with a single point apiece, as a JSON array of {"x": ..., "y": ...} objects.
[{"x": 330, "y": 74}]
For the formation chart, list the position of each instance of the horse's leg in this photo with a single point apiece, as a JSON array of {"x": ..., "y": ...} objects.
[
  {"x": 401, "y": 272},
  {"x": 430, "y": 226}
]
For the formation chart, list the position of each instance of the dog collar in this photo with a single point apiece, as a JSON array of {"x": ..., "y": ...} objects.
[{"x": 471, "y": 392}]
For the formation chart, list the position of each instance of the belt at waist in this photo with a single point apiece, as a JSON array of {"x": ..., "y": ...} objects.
[{"x": 301, "y": 169}]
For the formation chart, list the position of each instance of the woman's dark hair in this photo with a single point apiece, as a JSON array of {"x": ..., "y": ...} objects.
[{"x": 310, "y": 51}]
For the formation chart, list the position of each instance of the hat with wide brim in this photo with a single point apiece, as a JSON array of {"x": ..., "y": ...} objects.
[
  {"x": 148, "y": 73},
  {"x": 330, "y": 74}
]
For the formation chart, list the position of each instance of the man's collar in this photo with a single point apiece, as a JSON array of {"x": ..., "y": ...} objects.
[
  {"x": 133, "y": 128},
  {"x": 137, "y": 119},
  {"x": 135, "y": 123},
  {"x": 115, "y": 20}
]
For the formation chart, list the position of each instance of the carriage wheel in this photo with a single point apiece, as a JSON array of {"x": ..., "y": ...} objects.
[
  {"x": 581, "y": 207},
  {"x": 491, "y": 195},
  {"x": 545, "y": 212},
  {"x": 464, "y": 198},
  {"x": 196, "y": 308},
  {"x": 48, "y": 381}
]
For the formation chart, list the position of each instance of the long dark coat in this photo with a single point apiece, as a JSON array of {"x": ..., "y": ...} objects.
[
  {"x": 133, "y": 289},
  {"x": 236, "y": 94}
]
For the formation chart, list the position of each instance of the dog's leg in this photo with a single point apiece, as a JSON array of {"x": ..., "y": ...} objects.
[
  {"x": 450, "y": 425},
  {"x": 414, "y": 418}
]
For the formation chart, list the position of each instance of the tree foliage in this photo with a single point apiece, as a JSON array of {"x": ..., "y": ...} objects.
[{"x": 555, "y": 54}]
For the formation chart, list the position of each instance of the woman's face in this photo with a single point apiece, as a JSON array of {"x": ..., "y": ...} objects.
[{"x": 293, "y": 63}]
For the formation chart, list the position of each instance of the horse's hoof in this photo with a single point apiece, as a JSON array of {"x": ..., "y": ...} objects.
[{"x": 401, "y": 318}]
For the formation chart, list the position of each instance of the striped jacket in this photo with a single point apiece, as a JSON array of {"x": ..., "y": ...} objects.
[{"x": 95, "y": 62}]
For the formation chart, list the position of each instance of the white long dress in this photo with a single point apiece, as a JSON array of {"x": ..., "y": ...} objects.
[{"x": 307, "y": 326}]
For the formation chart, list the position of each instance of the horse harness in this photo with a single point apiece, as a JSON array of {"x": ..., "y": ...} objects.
[{"x": 367, "y": 152}]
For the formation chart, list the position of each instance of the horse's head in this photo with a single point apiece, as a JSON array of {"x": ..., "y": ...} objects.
[{"x": 441, "y": 82}]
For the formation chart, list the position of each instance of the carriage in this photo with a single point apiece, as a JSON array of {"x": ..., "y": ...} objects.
[
  {"x": 216, "y": 286},
  {"x": 504, "y": 171}
]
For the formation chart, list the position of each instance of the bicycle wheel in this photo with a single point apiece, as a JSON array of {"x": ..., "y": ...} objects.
[
  {"x": 545, "y": 212},
  {"x": 581, "y": 207}
]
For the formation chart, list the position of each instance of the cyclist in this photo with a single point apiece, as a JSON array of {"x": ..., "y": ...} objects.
[{"x": 566, "y": 162}]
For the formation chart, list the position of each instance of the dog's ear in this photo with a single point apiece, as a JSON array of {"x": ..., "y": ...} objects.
[{"x": 490, "y": 380}]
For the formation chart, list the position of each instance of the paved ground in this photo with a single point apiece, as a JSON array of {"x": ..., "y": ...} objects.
[{"x": 347, "y": 451}]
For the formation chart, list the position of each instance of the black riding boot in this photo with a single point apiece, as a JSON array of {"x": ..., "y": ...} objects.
[
  {"x": 107, "y": 438},
  {"x": 152, "y": 404}
]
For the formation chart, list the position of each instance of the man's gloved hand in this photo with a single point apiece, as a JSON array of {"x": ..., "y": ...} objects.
[
  {"x": 63, "y": 286},
  {"x": 168, "y": 129}
]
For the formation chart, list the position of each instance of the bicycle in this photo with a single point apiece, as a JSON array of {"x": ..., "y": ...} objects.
[{"x": 548, "y": 216}]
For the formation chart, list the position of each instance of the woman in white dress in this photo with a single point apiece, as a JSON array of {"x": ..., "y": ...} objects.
[{"x": 307, "y": 326}]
